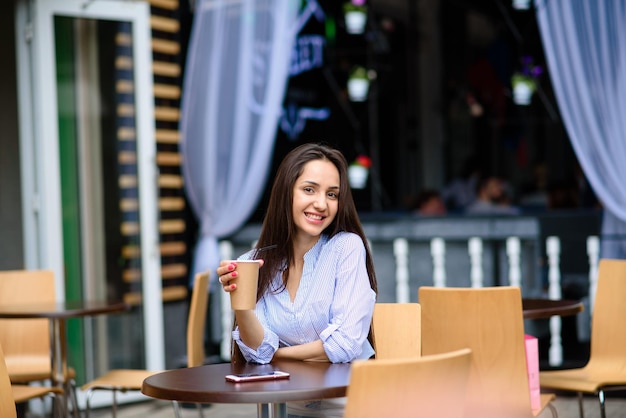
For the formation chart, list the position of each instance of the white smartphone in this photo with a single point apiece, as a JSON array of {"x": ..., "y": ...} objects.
[{"x": 251, "y": 377}]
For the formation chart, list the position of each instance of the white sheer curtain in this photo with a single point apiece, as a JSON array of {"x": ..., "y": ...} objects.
[
  {"x": 235, "y": 79},
  {"x": 585, "y": 46}
]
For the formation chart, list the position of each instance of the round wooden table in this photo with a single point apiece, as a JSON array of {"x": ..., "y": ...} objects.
[
  {"x": 207, "y": 384},
  {"x": 58, "y": 313},
  {"x": 546, "y": 308}
]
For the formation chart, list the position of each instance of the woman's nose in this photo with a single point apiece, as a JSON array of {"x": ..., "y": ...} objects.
[{"x": 320, "y": 201}]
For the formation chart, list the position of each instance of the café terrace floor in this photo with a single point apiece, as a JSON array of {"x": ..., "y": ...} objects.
[{"x": 566, "y": 406}]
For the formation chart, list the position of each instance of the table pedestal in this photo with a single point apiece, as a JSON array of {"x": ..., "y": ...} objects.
[
  {"x": 272, "y": 410},
  {"x": 59, "y": 364}
]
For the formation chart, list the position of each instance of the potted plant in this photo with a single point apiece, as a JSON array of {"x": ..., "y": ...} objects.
[
  {"x": 355, "y": 14},
  {"x": 358, "y": 84},
  {"x": 523, "y": 88},
  {"x": 524, "y": 82},
  {"x": 358, "y": 171}
]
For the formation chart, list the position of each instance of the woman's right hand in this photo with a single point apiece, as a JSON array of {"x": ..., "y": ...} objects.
[{"x": 226, "y": 272}]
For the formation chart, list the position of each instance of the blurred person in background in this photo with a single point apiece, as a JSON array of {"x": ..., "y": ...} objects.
[
  {"x": 429, "y": 203},
  {"x": 492, "y": 198}
]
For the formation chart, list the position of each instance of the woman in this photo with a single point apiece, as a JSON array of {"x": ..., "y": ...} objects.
[
  {"x": 321, "y": 272},
  {"x": 317, "y": 288}
]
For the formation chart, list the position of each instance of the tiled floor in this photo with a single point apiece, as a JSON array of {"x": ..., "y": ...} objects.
[{"x": 566, "y": 406}]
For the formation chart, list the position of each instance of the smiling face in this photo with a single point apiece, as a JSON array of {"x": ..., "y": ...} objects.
[{"x": 315, "y": 198}]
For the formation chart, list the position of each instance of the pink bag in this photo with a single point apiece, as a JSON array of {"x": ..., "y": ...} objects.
[{"x": 532, "y": 365}]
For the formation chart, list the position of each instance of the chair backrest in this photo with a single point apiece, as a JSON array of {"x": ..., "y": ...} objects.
[
  {"x": 430, "y": 386},
  {"x": 489, "y": 321},
  {"x": 197, "y": 320},
  {"x": 397, "y": 330},
  {"x": 7, "y": 404},
  {"x": 26, "y": 342},
  {"x": 608, "y": 333}
]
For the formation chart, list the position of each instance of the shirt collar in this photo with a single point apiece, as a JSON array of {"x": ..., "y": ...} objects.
[{"x": 314, "y": 252}]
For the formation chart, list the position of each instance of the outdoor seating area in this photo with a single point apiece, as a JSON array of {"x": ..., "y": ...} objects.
[{"x": 313, "y": 208}]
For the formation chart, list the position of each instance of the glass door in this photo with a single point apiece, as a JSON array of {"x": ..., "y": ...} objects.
[{"x": 89, "y": 171}]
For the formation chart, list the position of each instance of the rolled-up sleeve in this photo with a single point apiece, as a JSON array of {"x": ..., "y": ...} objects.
[
  {"x": 352, "y": 306},
  {"x": 264, "y": 353}
]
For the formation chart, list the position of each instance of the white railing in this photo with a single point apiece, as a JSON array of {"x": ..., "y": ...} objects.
[
  {"x": 513, "y": 249},
  {"x": 401, "y": 251},
  {"x": 401, "y": 256}
]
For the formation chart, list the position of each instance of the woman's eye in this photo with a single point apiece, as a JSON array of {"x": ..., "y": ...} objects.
[
  {"x": 309, "y": 189},
  {"x": 333, "y": 195}
]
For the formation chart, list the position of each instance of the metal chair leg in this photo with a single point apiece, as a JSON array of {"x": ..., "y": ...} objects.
[
  {"x": 88, "y": 405},
  {"x": 601, "y": 398},
  {"x": 581, "y": 410},
  {"x": 114, "y": 406},
  {"x": 553, "y": 411},
  {"x": 70, "y": 390},
  {"x": 58, "y": 406},
  {"x": 87, "y": 402}
]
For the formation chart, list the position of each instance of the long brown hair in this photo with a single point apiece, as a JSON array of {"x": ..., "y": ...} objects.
[{"x": 279, "y": 227}]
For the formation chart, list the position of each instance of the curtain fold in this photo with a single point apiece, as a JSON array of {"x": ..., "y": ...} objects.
[
  {"x": 585, "y": 47},
  {"x": 234, "y": 83}
]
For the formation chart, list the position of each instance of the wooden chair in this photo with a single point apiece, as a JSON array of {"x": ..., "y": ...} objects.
[
  {"x": 429, "y": 387},
  {"x": 606, "y": 368},
  {"x": 26, "y": 342},
  {"x": 490, "y": 322},
  {"x": 397, "y": 330},
  {"x": 11, "y": 394},
  {"x": 27, "y": 352},
  {"x": 123, "y": 380}
]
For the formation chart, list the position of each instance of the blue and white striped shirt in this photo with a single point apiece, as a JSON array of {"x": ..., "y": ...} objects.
[{"x": 334, "y": 303}]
